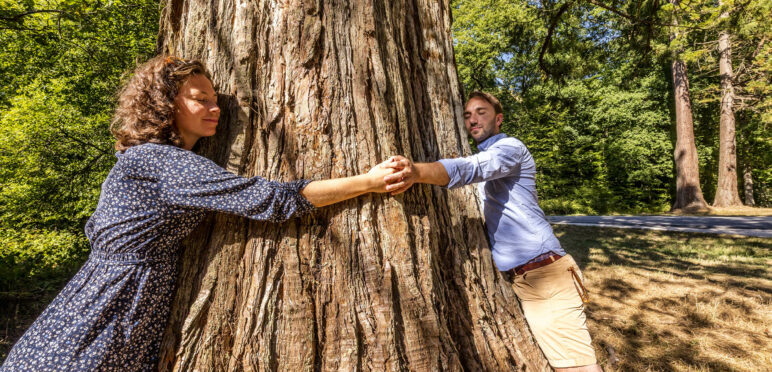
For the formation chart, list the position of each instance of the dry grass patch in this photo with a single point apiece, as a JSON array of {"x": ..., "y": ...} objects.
[
  {"x": 676, "y": 301},
  {"x": 731, "y": 211}
]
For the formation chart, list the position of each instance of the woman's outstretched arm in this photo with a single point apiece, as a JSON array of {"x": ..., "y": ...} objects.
[
  {"x": 326, "y": 192},
  {"x": 188, "y": 180}
]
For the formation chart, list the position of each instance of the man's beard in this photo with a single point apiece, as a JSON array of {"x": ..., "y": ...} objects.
[{"x": 485, "y": 133}]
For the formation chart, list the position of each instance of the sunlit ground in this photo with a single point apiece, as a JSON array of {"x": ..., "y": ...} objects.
[
  {"x": 676, "y": 301},
  {"x": 735, "y": 211}
]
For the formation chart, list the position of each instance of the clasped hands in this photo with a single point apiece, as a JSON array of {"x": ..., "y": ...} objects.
[{"x": 394, "y": 175}]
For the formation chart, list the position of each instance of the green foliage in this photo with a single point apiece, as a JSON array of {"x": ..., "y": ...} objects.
[
  {"x": 640, "y": 168},
  {"x": 33, "y": 262},
  {"x": 495, "y": 39},
  {"x": 53, "y": 158},
  {"x": 750, "y": 32},
  {"x": 60, "y": 64}
]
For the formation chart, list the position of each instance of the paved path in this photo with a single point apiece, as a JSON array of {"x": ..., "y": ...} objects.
[{"x": 748, "y": 226}]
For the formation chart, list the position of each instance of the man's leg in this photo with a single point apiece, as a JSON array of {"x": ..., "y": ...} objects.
[{"x": 555, "y": 313}]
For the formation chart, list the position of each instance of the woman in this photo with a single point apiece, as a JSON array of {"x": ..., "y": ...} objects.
[{"x": 112, "y": 314}]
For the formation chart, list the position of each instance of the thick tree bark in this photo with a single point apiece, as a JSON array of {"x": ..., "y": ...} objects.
[
  {"x": 688, "y": 191},
  {"x": 321, "y": 89},
  {"x": 748, "y": 186},
  {"x": 726, "y": 192}
]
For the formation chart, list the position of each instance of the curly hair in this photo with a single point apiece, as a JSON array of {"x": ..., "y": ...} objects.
[{"x": 145, "y": 111}]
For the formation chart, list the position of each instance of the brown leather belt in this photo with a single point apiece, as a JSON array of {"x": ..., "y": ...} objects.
[{"x": 531, "y": 265}]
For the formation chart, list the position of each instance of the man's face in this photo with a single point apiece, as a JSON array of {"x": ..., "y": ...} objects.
[{"x": 481, "y": 119}]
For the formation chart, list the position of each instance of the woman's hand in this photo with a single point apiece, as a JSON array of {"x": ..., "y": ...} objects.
[
  {"x": 405, "y": 175},
  {"x": 377, "y": 175},
  {"x": 408, "y": 173},
  {"x": 326, "y": 192}
]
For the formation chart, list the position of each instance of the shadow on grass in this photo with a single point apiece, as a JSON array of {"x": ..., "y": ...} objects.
[{"x": 700, "y": 321}]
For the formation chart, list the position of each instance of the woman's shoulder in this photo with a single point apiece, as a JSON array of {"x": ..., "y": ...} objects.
[
  {"x": 149, "y": 157},
  {"x": 159, "y": 153},
  {"x": 153, "y": 149},
  {"x": 164, "y": 158}
]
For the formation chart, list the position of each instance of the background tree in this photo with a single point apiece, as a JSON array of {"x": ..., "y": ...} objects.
[
  {"x": 751, "y": 49},
  {"x": 726, "y": 192},
  {"x": 327, "y": 89},
  {"x": 688, "y": 189},
  {"x": 739, "y": 25}
]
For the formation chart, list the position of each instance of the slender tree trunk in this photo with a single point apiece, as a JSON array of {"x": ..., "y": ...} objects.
[
  {"x": 688, "y": 191},
  {"x": 726, "y": 192},
  {"x": 748, "y": 186},
  {"x": 321, "y": 89}
]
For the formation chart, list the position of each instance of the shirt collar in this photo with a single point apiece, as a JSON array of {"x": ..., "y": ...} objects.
[{"x": 484, "y": 145}]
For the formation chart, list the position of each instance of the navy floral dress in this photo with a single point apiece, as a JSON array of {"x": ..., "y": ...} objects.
[{"x": 112, "y": 314}]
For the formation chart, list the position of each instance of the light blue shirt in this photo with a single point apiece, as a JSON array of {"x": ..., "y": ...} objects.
[{"x": 505, "y": 171}]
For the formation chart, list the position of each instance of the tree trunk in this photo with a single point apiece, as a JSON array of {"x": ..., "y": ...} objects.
[
  {"x": 688, "y": 191},
  {"x": 726, "y": 192},
  {"x": 321, "y": 89},
  {"x": 748, "y": 186}
]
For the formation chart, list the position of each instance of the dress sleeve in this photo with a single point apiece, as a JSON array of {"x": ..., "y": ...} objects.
[
  {"x": 191, "y": 181},
  {"x": 499, "y": 161}
]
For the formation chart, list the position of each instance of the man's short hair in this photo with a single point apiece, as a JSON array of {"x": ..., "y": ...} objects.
[{"x": 488, "y": 98}]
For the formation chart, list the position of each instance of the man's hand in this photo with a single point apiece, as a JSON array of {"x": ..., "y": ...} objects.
[{"x": 406, "y": 174}]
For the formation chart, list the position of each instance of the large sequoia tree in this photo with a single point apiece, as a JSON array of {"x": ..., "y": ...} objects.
[
  {"x": 321, "y": 89},
  {"x": 688, "y": 191}
]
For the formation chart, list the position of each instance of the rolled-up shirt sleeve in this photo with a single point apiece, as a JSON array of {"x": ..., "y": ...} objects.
[{"x": 500, "y": 160}]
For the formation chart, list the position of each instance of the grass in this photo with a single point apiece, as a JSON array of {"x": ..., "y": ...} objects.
[
  {"x": 737, "y": 211},
  {"x": 741, "y": 211},
  {"x": 666, "y": 301}
]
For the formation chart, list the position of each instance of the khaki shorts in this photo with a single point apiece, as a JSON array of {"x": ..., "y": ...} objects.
[{"x": 555, "y": 313}]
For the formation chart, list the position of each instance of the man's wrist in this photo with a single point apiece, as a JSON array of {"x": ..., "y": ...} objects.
[
  {"x": 432, "y": 173},
  {"x": 418, "y": 172}
]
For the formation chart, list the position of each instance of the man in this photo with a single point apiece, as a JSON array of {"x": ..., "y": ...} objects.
[{"x": 546, "y": 279}]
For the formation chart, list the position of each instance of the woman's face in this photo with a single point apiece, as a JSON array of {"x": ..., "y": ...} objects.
[{"x": 196, "y": 111}]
